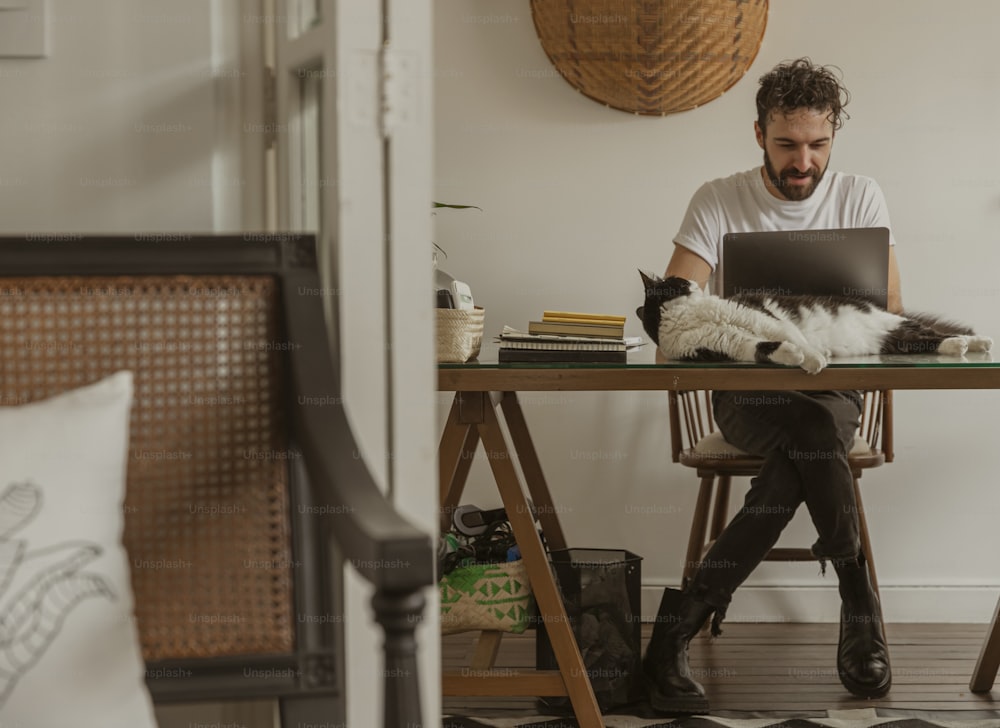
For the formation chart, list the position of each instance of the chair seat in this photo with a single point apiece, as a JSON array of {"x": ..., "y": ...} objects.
[{"x": 714, "y": 447}]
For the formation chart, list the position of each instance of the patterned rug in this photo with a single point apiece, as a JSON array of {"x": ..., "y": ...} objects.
[{"x": 867, "y": 718}]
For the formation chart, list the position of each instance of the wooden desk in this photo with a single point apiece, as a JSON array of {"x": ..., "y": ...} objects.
[{"x": 486, "y": 391}]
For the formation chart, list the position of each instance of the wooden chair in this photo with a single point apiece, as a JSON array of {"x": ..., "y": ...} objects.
[
  {"x": 696, "y": 443},
  {"x": 232, "y": 365}
]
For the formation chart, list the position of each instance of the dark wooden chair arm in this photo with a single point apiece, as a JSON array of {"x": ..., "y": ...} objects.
[{"x": 384, "y": 547}]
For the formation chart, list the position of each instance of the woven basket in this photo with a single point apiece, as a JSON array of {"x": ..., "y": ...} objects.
[
  {"x": 459, "y": 334},
  {"x": 651, "y": 57},
  {"x": 486, "y": 596}
]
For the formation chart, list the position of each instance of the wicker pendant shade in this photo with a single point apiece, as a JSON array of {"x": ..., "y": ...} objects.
[{"x": 651, "y": 57}]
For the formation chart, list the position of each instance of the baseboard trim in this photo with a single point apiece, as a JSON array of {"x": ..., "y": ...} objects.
[{"x": 938, "y": 604}]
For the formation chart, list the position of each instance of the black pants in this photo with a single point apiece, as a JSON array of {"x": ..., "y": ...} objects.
[{"x": 804, "y": 438}]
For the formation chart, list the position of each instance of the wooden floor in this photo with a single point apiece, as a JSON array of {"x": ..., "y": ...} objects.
[{"x": 784, "y": 668}]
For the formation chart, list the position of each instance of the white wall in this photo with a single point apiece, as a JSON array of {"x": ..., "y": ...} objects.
[
  {"x": 128, "y": 125},
  {"x": 576, "y": 196}
]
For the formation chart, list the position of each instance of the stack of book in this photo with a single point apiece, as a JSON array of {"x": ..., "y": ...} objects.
[{"x": 564, "y": 336}]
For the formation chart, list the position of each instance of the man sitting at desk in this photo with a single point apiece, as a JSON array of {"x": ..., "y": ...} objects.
[{"x": 799, "y": 109}]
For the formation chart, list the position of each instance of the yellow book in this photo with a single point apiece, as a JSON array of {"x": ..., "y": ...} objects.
[
  {"x": 609, "y": 326},
  {"x": 588, "y": 317}
]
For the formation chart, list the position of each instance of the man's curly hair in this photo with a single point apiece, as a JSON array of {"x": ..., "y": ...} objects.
[{"x": 800, "y": 84}]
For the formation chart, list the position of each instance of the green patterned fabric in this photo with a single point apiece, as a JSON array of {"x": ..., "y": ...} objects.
[{"x": 486, "y": 596}]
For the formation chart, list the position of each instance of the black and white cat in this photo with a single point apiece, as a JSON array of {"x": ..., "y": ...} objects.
[{"x": 689, "y": 324}]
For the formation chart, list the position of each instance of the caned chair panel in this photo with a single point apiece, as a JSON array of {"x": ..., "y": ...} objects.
[{"x": 206, "y": 511}]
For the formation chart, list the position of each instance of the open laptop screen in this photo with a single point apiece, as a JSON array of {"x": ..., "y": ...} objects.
[{"x": 847, "y": 261}]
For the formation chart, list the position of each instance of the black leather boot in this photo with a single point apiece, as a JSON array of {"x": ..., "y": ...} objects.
[
  {"x": 862, "y": 653},
  {"x": 671, "y": 688}
]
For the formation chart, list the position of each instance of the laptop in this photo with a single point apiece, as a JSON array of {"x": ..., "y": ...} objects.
[{"x": 843, "y": 261}]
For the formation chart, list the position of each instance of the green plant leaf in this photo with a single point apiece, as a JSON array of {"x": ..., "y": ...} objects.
[{"x": 456, "y": 207}]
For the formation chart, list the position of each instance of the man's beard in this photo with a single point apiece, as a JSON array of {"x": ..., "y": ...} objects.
[{"x": 795, "y": 193}]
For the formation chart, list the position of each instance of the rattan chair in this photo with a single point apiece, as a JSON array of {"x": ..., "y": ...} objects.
[
  {"x": 232, "y": 366},
  {"x": 696, "y": 443}
]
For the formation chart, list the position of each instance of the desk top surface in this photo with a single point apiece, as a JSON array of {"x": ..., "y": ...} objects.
[{"x": 643, "y": 372}]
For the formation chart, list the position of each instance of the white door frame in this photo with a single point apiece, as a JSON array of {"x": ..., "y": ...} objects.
[{"x": 368, "y": 65}]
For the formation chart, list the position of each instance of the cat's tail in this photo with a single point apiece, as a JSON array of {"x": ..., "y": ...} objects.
[{"x": 946, "y": 327}]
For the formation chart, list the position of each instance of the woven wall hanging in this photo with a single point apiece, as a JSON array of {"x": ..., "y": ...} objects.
[{"x": 651, "y": 57}]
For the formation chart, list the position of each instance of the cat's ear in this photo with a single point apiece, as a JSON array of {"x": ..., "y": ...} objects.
[{"x": 648, "y": 279}]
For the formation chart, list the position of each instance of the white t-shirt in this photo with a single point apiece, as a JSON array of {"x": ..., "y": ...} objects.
[{"x": 742, "y": 204}]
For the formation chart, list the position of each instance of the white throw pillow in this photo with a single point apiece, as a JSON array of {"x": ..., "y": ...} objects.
[{"x": 69, "y": 649}]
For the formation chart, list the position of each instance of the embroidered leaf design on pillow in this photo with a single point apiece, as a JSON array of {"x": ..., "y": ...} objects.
[{"x": 50, "y": 584}]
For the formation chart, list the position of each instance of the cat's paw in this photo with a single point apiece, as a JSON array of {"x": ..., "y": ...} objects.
[
  {"x": 813, "y": 361},
  {"x": 788, "y": 354},
  {"x": 953, "y": 346},
  {"x": 979, "y": 343}
]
